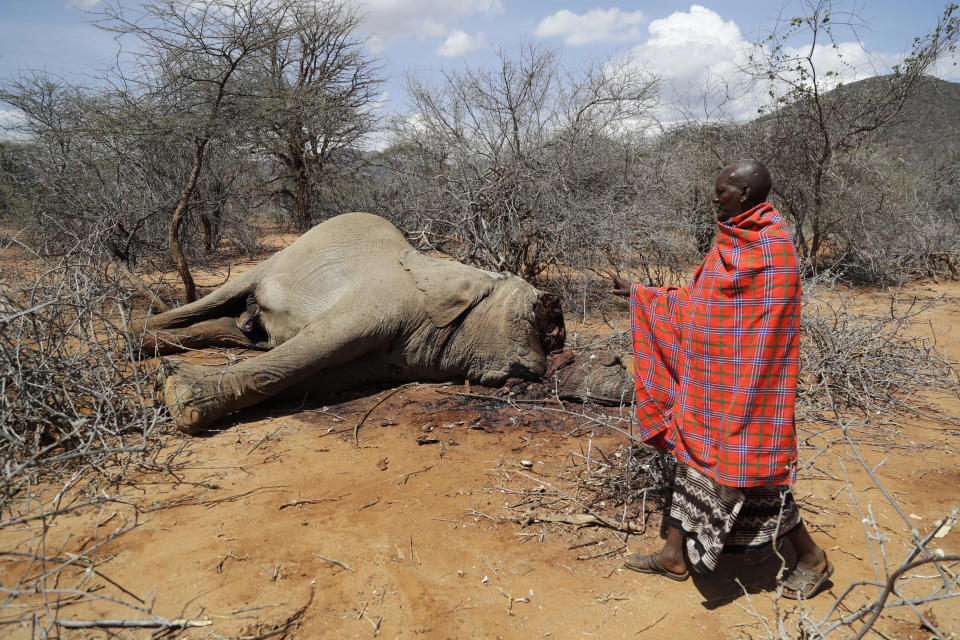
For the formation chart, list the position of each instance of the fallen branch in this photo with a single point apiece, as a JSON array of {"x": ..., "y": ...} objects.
[
  {"x": 266, "y": 437},
  {"x": 407, "y": 476},
  {"x": 109, "y": 623},
  {"x": 191, "y": 500},
  {"x": 297, "y": 503},
  {"x": 356, "y": 427},
  {"x": 579, "y": 519},
  {"x": 336, "y": 562},
  {"x": 605, "y": 553}
]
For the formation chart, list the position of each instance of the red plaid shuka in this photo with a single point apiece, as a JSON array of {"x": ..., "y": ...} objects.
[{"x": 716, "y": 361}]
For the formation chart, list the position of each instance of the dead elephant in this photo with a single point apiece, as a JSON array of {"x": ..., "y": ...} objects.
[{"x": 351, "y": 302}]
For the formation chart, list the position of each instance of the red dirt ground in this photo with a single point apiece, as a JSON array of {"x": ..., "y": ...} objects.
[{"x": 419, "y": 540}]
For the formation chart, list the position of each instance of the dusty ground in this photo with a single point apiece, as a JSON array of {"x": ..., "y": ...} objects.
[{"x": 279, "y": 521}]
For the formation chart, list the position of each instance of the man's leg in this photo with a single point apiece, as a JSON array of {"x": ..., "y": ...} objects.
[
  {"x": 669, "y": 560},
  {"x": 809, "y": 555},
  {"x": 813, "y": 568}
]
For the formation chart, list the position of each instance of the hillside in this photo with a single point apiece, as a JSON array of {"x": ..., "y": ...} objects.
[{"x": 930, "y": 120}]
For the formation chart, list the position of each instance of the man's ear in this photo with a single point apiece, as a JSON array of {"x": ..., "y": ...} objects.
[
  {"x": 745, "y": 196},
  {"x": 449, "y": 288}
]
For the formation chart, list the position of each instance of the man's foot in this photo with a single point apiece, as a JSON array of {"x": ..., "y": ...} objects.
[
  {"x": 806, "y": 582},
  {"x": 652, "y": 564}
]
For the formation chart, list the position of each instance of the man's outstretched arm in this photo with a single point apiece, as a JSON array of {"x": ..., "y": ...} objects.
[{"x": 621, "y": 287}]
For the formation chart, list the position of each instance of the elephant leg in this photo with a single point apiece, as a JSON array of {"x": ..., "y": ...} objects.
[
  {"x": 197, "y": 396},
  {"x": 221, "y": 332},
  {"x": 228, "y": 300},
  {"x": 599, "y": 377}
]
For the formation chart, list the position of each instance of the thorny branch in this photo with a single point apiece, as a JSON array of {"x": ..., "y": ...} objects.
[{"x": 76, "y": 416}]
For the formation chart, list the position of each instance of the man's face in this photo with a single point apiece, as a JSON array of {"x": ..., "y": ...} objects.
[{"x": 729, "y": 196}]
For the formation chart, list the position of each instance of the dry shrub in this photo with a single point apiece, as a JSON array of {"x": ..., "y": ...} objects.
[
  {"x": 74, "y": 397},
  {"x": 866, "y": 362},
  {"x": 76, "y": 413}
]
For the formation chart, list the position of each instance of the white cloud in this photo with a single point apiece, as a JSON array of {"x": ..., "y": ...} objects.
[
  {"x": 846, "y": 62},
  {"x": 699, "y": 26},
  {"x": 596, "y": 25},
  {"x": 696, "y": 53},
  {"x": 702, "y": 59},
  {"x": 82, "y": 4},
  {"x": 11, "y": 119},
  {"x": 11, "y": 123},
  {"x": 459, "y": 42},
  {"x": 390, "y": 20}
]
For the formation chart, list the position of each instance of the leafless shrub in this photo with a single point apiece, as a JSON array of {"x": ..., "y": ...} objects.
[
  {"x": 628, "y": 484},
  {"x": 816, "y": 123},
  {"x": 922, "y": 574},
  {"x": 87, "y": 169},
  {"x": 315, "y": 90},
  {"x": 169, "y": 145},
  {"x": 72, "y": 399},
  {"x": 865, "y": 361},
  {"x": 525, "y": 166},
  {"x": 75, "y": 414}
]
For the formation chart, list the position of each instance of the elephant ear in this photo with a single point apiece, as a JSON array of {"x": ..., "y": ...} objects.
[{"x": 450, "y": 288}]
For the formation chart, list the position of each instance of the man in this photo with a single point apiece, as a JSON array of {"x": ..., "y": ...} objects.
[{"x": 716, "y": 366}]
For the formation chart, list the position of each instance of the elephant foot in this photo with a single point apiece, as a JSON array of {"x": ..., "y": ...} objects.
[
  {"x": 190, "y": 395},
  {"x": 599, "y": 377}
]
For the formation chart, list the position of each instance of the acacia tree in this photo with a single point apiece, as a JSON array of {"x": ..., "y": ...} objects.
[
  {"x": 507, "y": 165},
  {"x": 183, "y": 122},
  {"x": 184, "y": 79},
  {"x": 316, "y": 89},
  {"x": 816, "y": 122}
]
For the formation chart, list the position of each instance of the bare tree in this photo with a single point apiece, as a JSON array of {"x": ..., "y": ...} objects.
[
  {"x": 317, "y": 90},
  {"x": 185, "y": 75},
  {"x": 512, "y": 162},
  {"x": 816, "y": 122},
  {"x": 180, "y": 126},
  {"x": 97, "y": 163}
]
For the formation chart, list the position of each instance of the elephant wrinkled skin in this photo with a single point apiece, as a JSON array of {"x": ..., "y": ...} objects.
[{"x": 351, "y": 302}]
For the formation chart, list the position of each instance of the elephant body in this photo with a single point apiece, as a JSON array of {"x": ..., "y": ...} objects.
[{"x": 352, "y": 302}]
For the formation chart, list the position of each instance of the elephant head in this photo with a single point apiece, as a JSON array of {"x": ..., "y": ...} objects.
[{"x": 501, "y": 326}]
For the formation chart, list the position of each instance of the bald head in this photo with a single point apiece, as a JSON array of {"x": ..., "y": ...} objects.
[
  {"x": 740, "y": 187},
  {"x": 755, "y": 174}
]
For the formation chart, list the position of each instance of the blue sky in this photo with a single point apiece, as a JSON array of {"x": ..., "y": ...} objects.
[{"x": 685, "y": 43}]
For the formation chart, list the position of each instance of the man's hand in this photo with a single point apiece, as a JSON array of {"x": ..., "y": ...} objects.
[{"x": 621, "y": 287}]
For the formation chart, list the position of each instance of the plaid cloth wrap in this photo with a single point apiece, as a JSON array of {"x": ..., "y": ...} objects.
[{"x": 716, "y": 361}]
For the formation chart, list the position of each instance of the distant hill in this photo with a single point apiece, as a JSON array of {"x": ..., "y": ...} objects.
[
  {"x": 928, "y": 124},
  {"x": 930, "y": 120}
]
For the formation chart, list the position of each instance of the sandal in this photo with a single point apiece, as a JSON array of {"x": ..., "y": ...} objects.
[
  {"x": 649, "y": 564},
  {"x": 805, "y": 583}
]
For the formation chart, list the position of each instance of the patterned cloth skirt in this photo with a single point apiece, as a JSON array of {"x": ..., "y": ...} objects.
[{"x": 715, "y": 518}]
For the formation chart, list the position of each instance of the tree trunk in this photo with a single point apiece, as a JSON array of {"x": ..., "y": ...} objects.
[
  {"x": 207, "y": 228},
  {"x": 302, "y": 198},
  {"x": 190, "y": 289}
]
